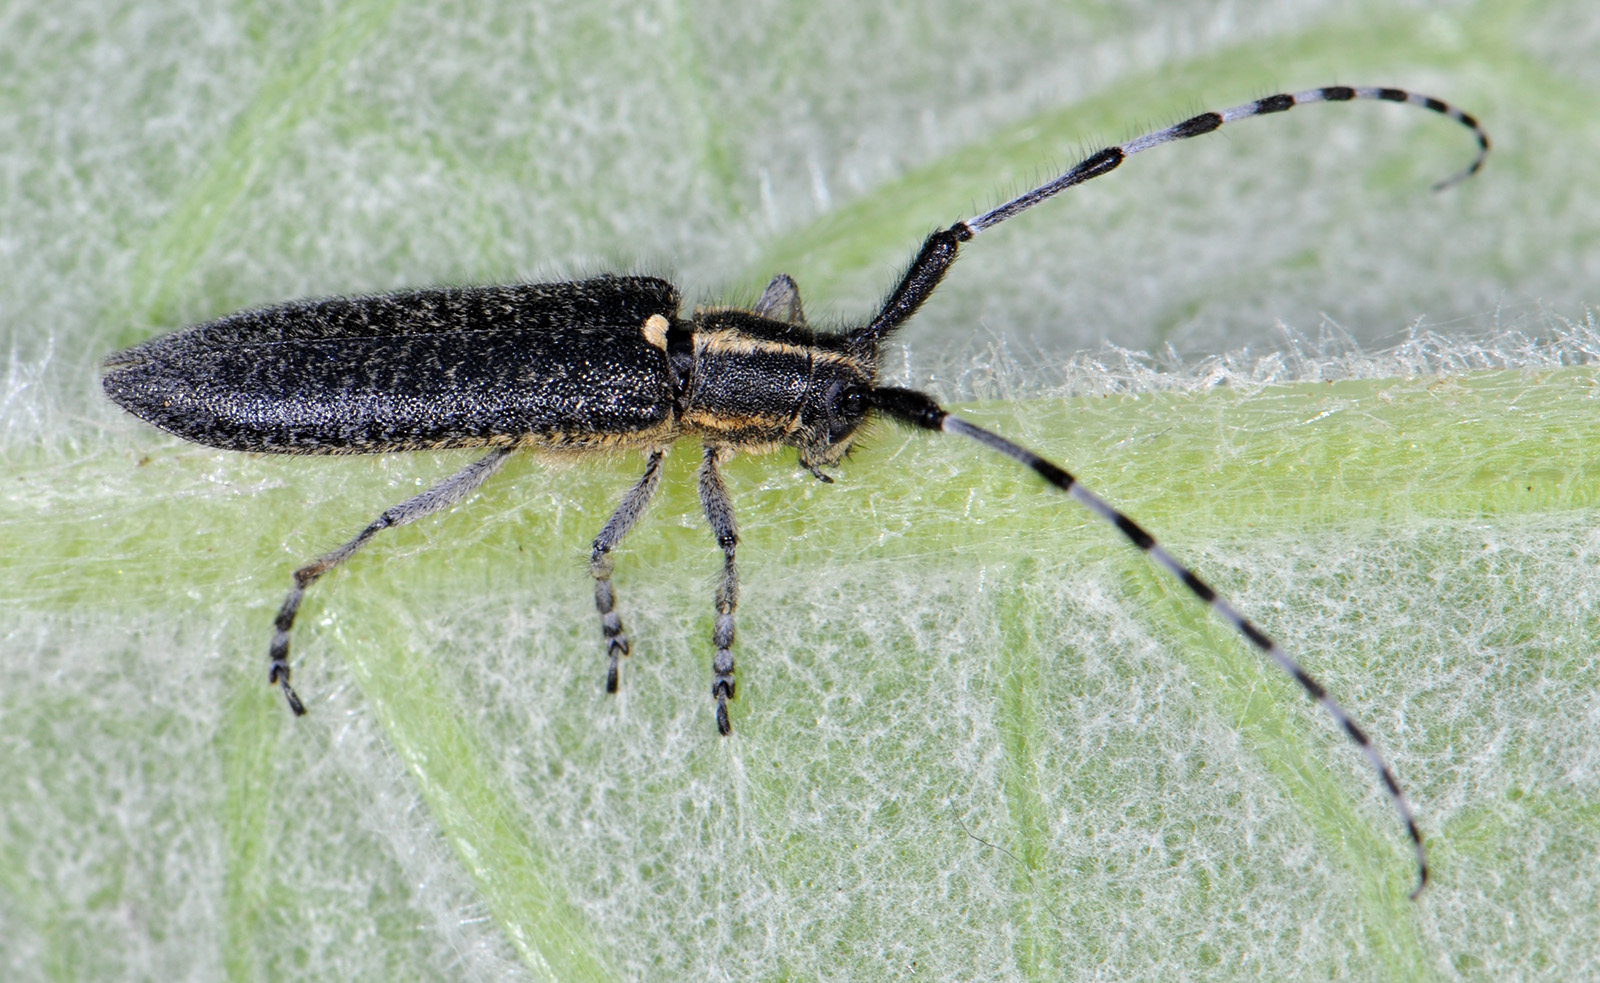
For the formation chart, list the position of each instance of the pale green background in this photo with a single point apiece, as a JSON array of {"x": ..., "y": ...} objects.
[{"x": 977, "y": 738}]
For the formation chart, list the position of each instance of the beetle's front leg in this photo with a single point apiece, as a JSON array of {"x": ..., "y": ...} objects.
[
  {"x": 600, "y": 563},
  {"x": 719, "y": 513}
]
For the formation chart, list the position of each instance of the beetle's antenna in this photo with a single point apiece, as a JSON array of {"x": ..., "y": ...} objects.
[
  {"x": 1106, "y": 160},
  {"x": 917, "y": 409},
  {"x": 939, "y": 249}
]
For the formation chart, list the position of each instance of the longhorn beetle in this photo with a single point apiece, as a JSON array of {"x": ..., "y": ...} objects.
[{"x": 610, "y": 363}]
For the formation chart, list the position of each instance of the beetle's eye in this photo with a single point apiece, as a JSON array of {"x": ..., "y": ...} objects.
[{"x": 845, "y": 404}]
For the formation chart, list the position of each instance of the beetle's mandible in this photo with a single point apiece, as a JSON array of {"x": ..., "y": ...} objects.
[{"x": 612, "y": 362}]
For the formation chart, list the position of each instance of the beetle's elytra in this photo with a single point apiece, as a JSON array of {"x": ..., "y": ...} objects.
[{"x": 612, "y": 362}]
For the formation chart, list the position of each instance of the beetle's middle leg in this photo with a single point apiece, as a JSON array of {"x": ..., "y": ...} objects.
[
  {"x": 719, "y": 513},
  {"x": 600, "y": 562}
]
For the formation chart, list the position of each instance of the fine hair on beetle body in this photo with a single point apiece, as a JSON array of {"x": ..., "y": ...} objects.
[{"x": 614, "y": 362}]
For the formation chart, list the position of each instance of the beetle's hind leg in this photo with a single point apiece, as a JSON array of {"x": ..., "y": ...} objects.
[
  {"x": 719, "y": 513},
  {"x": 600, "y": 563},
  {"x": 443, "y": 495}
]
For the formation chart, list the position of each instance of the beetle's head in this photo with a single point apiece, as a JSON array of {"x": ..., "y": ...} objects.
[{"x": 835, "y": 405}]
